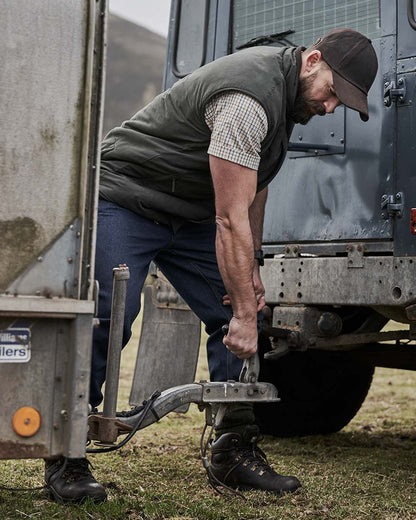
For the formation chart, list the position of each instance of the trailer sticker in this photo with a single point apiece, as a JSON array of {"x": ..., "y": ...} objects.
[{"x": 14, "y": 345}]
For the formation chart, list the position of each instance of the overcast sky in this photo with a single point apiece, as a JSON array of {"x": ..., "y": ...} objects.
[{"x": 153, "y": 14}]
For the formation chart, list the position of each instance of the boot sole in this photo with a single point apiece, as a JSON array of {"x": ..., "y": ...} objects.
[
  {"x": 278, "y": 493},
  {"x": 56, "y": 497}
]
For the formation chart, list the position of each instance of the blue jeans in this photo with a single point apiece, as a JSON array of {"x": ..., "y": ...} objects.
[{"x": 187, "y": 259}]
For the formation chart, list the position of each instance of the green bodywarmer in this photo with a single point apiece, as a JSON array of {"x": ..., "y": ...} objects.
[{"x": 157, "y": 164}]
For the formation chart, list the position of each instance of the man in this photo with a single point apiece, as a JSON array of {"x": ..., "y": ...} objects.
[{"x": 184, "y": 184}]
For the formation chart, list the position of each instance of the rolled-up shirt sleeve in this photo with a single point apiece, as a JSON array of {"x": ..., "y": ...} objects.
[{"x": 238, "y": 125}]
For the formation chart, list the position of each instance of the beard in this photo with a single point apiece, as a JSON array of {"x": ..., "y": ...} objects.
[{"x": 305, "y": 107}]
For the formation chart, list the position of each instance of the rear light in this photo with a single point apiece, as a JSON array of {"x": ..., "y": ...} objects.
[{"x": 413, "y": 221}]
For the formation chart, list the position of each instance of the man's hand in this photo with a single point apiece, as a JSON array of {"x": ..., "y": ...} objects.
[{"x": 242, "y": 337}]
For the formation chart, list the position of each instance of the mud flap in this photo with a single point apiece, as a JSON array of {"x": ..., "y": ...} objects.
[{"x": 168, "y": 345}]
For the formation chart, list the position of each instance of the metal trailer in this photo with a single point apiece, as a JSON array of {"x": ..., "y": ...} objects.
[
  {"x": 51, "y": 98},
  {"x": 340, "y": 226}
]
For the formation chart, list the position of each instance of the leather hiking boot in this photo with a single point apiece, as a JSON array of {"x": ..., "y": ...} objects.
[
  {"x": 70, "y": 480},
  {"x": 239, "y": 463}
]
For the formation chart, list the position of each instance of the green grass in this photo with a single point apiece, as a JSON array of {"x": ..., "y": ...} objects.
[{"x": 367, "y": 471}]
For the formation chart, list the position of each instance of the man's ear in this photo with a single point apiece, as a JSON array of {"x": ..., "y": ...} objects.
[{"x": 313, "y": 59}]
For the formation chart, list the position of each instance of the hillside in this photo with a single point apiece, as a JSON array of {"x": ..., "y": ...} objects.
[{"x": 135, "y": 66}]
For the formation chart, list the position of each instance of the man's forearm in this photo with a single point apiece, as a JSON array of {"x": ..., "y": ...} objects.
[
  {"x": 232, "y": 278},
  {"x": 234, "y": 246},
  {"x": 256, "y": 215}
]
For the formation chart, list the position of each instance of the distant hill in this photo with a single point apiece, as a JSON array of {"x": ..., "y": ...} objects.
[{"x": 135, "y": 66}]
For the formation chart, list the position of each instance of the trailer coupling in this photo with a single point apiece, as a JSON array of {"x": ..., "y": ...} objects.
[{"x": 107, "y": 429}]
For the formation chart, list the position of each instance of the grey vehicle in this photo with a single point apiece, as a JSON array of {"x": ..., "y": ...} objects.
[{"x": 340, "y": 227}]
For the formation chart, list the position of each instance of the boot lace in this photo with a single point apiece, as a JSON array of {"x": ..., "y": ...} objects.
[
  {"x": 252, "y": 457},
  {"x": 75, "y": 470}
]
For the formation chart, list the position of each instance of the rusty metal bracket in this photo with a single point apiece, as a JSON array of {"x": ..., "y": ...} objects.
[
  {"x": 164, "y": 296},
  {"x": 106, "y": 429},
  {"x": 351, "y": 341},
  {"x": 355, "y": 255},
  {"x": 343, "y": 343},
  {"x": 292, "y": 251}
]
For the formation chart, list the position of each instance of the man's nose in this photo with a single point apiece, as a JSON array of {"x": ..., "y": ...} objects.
[{"x": 331, "y": 105}]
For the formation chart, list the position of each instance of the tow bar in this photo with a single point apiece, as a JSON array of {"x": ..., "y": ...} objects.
[{"x": 105, "y": 427}]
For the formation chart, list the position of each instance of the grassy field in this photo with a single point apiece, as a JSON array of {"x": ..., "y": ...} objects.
[{"x": 367, "y": 471}]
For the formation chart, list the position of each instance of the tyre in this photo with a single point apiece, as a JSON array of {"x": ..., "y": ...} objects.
[{"x": 320, "y": 391}]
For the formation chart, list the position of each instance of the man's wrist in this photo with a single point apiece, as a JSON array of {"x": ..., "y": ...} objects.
[{"x": 259, "y": 256}]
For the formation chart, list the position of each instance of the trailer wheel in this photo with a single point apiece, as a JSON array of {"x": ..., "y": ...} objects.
[{"x": 320, "y": 391}]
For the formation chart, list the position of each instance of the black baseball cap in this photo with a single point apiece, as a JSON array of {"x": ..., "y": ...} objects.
[{"x": 354, "y": 66}]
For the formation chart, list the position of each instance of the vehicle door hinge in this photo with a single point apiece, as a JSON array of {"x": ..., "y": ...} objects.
[
  {"x": 392, "y": 205},
  {"x": 393, "y": 92}
]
